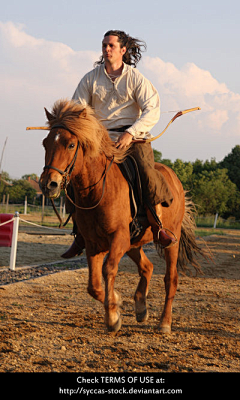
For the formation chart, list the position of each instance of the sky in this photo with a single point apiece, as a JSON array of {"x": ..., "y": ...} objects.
[{"x": 192, "y": 59}]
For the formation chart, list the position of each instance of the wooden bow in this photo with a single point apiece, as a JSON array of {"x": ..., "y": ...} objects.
[{"x": 179, "y": 113}]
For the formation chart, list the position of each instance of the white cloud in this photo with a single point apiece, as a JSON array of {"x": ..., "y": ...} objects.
[
  {"x": 43, "y": 62},
  {"x": 192, "y": 86},
  {"x": 36, "y": 72},
  {"x": 217, "y": 119}
]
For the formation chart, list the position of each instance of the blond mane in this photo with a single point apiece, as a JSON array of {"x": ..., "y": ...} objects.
[{"x": 92, "y": 135}]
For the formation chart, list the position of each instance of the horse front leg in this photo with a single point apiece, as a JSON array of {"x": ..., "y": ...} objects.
[
  {"x": 118, "y": 248},
  {"x": 171, "y": 281},
  {"x": 145, "y": 269},
  {"x": 95, "y": 262}
]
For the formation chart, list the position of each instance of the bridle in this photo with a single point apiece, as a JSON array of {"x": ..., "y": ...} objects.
[
  {"x": 66, "y": 177},
  {"x": 66, "y": 174}
]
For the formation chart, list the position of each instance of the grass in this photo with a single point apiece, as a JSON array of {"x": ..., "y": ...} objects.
[
  {"x": 208, "y": 222},
  {"x": 208, "y": 232}
]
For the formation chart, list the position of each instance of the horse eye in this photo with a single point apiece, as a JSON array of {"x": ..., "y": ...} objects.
[{"x": 71, "y": 146}]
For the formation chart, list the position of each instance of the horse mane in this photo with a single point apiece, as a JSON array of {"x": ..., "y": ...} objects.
[{"x": 82, "y": 122}]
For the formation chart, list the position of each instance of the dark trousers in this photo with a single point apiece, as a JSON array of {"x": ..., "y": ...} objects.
[{"x": 154, "y": 186}]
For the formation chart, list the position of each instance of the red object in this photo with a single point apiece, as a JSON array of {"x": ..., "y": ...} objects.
[{"x": 6, "y": 231}]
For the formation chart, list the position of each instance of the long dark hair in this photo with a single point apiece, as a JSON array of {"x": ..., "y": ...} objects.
[{"x": 134, "y": 48}]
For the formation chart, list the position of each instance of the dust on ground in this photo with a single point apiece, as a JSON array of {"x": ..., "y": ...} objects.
[{"x": 52, "y": 324}]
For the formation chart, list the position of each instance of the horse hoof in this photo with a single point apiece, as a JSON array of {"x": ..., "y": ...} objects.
[
  {"x": 142, "y": 316},
  {"x": 115, "y": 328},
  {"x": 165, "y": 329}
]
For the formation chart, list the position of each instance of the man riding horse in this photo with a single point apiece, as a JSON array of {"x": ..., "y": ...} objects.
[{"x": 128, "y": 105}]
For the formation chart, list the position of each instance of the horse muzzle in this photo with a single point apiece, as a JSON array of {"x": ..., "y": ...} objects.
[{"x": 50, "y": 184}]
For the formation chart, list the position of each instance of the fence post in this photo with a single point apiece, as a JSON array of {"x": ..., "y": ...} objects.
[
  {"x": 43, "y": 202},
  {"x": 7, "y": 203},
  {"x": 25, "y": 206},
  {"x": 215, "y": 221},
  {"x": 61, "y": 206},
  {"x": 14, "y": 242}
]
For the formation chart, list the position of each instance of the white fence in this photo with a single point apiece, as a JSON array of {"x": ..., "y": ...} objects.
[
  {"x": 16, "y": 219},
  {"x": 43, "y": 209}
]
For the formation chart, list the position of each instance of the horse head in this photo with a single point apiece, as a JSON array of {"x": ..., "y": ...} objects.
[{"x": 61, "y": 151}]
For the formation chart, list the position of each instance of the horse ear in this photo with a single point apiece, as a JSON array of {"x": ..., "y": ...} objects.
[
  {"x": 83, "y": 113},
  {"x": 49, "y": 116}
]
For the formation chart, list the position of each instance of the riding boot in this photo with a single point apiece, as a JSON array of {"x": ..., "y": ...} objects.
[
  {"x": 76, "y": 249},
  {"x": 159, "y": 234}
]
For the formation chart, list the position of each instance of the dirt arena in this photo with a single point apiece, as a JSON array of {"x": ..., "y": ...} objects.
[{"x": 51, "y": 323}]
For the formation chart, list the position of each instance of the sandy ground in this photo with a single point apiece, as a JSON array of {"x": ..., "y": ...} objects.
[
  {"x": 36, "y": 249},
  {"x": 52, "y": 324}
]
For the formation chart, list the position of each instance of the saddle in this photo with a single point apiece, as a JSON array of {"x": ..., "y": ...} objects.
[{"x": 130, "y": 171}]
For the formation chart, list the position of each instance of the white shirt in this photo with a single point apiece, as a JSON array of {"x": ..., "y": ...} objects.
[{"x": 130, "y": 100}]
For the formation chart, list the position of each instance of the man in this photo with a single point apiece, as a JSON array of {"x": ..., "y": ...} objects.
[{"x": 128, "y": 105}]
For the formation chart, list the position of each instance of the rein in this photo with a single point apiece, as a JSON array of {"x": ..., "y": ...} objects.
[{"x": 104, "y": 176}]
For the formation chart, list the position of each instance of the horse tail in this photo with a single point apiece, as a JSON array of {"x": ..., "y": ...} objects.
[{"x": 189, "y": 249}]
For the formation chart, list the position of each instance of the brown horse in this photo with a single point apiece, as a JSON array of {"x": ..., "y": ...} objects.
[{"x": 78, "y": 149}]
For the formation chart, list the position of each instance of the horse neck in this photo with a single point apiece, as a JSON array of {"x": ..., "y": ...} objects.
[{"x": 87, "y": 177}]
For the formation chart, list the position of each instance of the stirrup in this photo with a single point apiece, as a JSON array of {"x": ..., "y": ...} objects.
[{"x": 174, "y": 239}]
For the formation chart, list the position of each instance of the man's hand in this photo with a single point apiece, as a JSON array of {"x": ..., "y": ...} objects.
[{"x": 124, "y": 140}]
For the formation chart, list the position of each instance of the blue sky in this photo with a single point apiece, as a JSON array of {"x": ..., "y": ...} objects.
[{"x": 193, "y": 59}]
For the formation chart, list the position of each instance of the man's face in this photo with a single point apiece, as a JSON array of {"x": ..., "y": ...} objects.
[{"x": 111, "y": 50}]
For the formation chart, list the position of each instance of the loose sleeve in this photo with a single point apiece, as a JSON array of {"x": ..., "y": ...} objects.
[
  {"x": 82, "y": 93},
  {"x": 148, "y": 100}
]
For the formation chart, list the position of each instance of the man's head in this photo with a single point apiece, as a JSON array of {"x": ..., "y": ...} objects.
[
  {"x": 130, "y": 48},
  {"x": 112, "y": 51}
]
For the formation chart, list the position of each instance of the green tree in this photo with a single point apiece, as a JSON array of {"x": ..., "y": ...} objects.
[
  {"x": 184, "y": 172},
  {"x": 200, "y": 166},
  {"x": 213, "y": 191},
  {"x": 5, "y": 181},
  {"x": 157, "y": 155},
  {"x": 32, "y": 176},
  {"x": 167, "y": 162},
  {"x": 19, "y": 189},
  {"x": 232, "y": 163},
  {"x": 158, "y": 158}
]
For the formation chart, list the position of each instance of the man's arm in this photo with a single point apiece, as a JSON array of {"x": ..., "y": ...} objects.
[
  {"x": 82, "y": 93},
  {"x": 148, "y": 100}
]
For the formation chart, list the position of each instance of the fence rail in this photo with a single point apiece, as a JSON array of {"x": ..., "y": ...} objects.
[
  {"x": 212, "y": 221},
  {"x": 14, "y": 237},
  {"x": 40, "y": 212},
  {"x": 46, "y": 214}
]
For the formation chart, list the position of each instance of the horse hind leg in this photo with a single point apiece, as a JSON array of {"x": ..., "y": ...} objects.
[
  {"x": 171, "y": 281},
  {"x": 145, "y": 269}
]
